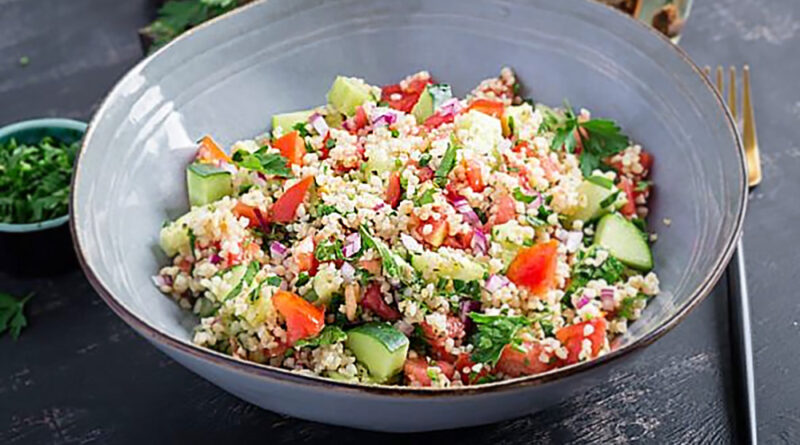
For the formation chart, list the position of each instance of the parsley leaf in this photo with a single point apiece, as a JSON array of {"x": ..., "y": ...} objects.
[
  {"x": 519, "y": 195},
  {"x": 329, "y": 335},
  {"x": 424, "y": 160},
  {"x": 393, "y": 264},
  {"x": 611, "y": 271},
  {"x": 448, "y": 162},
  {"x": 493, "y": 334},
  {"x": 329, "y": 251},
  {"x": 264, "y": 162},
  {"x": 425, "y": 198},
  {"x": 176, "y": 16},
  {"x": 12, "y": 314},
  {"x": 301, "y": 129}
]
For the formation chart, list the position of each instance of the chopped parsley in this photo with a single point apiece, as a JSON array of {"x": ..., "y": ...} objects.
[
  {"x": 330, "y": 143},
  {"x": 12, "y": 314},
  {"x": 642, "y": 186},
  {"x": 393, "y": 264},
  {"x": 302, "y": 279},
  {"x": 494, "y": 332},
  {"x": 424, "y": 160},
  {"x": 534, "y": 221},
  {"x": 610, "y": 199},
  {"x": 329, "y": 251},
  {"x": 325, "y": 209},
  {"x": 627, "y": 308},
  {"x": 611, "y": 271},
  {"x": 519, "y": 195},
  {"x": 395, "y": 133},
  {"x": 264, "y": 162},
  {"x": 425, "y": 198},
  {"x": 329, "y": 335},
  {"x": 300, "y": 127},
  {"x": 274, "y": 281},
  {"x": 448, "y": 162},
  {"x": 602, "y": 181},
  {"x": 34, "y": 180}
]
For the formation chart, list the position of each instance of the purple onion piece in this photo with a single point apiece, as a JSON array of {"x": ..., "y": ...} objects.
[
  {"x": 318, "y": 122},
  {"x": 462, "y": 206},
  {"x": 277, "y": 250},
  {"x": 348, "y": 272},
  {"x": 607, "y": 299},
  {"x": 215, "y": 259},
  {"x": 582, "y": 302},
  {"x": 464, "y": 309},
  {"x": 352, "y": 244},
  {"x": 479, "y": 242},
  {"x": 495, "y": 282}
]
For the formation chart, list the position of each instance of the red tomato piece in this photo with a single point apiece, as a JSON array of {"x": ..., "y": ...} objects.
[
  {"x": 416, "y": 371},
  {"x": 209, "y": 151},
  {"x": 454, "y": 330},
  {"x": 463, "y": 362},
  {"x": 425, "y": 174},
  {"x": 572, "y": 338},
  {"x": 490, "y": 107},
  {"x": 646, "y": 159},
  {"x": 436, "y": 120},
  {"x": 249, "y": 212},
  {"x": 303, "y": 319},
  {"x": 514, "y": 362},
  {"x": 629, "y": 209},
  {"x": 474, "y": 175},
  {"x": 394, "y": 191},
  {"x": 438, "y": 232},
  {"x": 373, "y": 300},
  {"x": 502, "y": 211},
  {"x": 292, "y": 147},
  {"x": 535, "y": 267},
  {"x": 283, "y": 210},
  {"x": 303, "y": 255}
]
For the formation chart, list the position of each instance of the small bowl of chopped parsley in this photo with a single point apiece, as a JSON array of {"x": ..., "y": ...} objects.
[{"x": 36, "y": 160}]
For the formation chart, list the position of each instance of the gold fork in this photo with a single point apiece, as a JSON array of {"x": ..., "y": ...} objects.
[
  {"x": 739, "y": 303},
  {"x": 748, "y": 126}
]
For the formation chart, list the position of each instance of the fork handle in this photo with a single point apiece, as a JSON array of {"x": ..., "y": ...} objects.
[{"x": 742, "y": 347}]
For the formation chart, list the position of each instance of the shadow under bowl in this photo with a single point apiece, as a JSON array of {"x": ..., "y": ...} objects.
[{"x": 44, "y": 247}]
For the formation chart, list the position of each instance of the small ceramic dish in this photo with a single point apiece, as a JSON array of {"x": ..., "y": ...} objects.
[{"x": 45, "y": 246}]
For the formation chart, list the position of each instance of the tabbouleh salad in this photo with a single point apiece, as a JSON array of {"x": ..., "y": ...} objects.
[{"x": 402, "y": 236}]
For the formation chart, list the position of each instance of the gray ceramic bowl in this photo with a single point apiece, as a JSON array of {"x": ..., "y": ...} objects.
[{"x": 228, "y": 77}]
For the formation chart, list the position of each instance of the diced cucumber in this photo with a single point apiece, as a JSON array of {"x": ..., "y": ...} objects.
[
  {"x": 515, "y": 116},
  {"x": 325, "y": 284},
  {"x": 378, "y": 160},
  {"x": 430, "y": 99},
  {"x": 347, "y": 93},
  {"x": 444, "y": 264},
  {"x": 596, "y": 192},
  {"x": 379, "y": 347},
  {"x": 624, "y": 241},
  {"x": 283, "y": 123},
  {"x": 239, "y": 277},
  {"x": 174, "y": 237},
  {"x": 207, "y": 183}
]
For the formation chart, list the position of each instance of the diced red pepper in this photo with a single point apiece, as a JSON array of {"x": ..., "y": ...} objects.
[
  {"x": 208, "y": 151},
  {"x": 489, "y": 107},
  {"x": 535, "y": 267},
  {"x": 394, "y": 191},
  {"x": 283, "y": 210},
  {"x": 292, "y": 147},
  {"x": 373, "y": 300},
  {"x": 303, "y": 319},
  {"x": 572, "y": 338}
]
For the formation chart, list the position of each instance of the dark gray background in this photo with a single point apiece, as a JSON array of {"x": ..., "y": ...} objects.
[{"x": 78, "y": 374}]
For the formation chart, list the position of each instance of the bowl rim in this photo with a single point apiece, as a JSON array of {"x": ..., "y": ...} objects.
[
  {"x": 43, "y": 123},
  {"x": 280, "y": 375}
]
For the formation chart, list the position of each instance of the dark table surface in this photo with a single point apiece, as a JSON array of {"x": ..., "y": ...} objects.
[{"x": 79, "y": 375}]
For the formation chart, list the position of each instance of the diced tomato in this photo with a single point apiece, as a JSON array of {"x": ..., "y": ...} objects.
[
  {"x": 502, "y": 211},
  {"x": 373, "y": 300},
  {"x": 303, "y": 255},
  {"x": 572, "y": 338},
  {"x": 303, "y": 319},
  {"x": 292, "y": 147},
  {"x": 464, "y": 361},
  {"x": 425, "y": 174},
  {"x": 454, "y": 330},
  {"x": 283, "y": 210},
  {"x": 404, "y": 99},
  {"x": 371, "y": 266},
  {"x": 462, "y": 240},
  {"x": 514, "y": 362},
  {"x": 323, "y": 150},
  {"x": 474, "y": 175},
  {"x": 490, "y": 107},
  {"x": 535, "y": 267},
  {"x": 646, "y": 159},
  {"x": 360, "y": 119},
  {"x": 436, "y": 120},
  {"x": 416, "y": 371},
  {"x": 522, "y": 147},
  {"x": 438, "y": 232},
  {"x": 629, "y": 209},
  {"x": 394, "y": 191},
  {"x": 209, "y": 151},
  {"x": 249, "y": 212}
]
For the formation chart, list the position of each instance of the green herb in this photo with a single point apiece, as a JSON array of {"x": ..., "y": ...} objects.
[
  {"x": 393, "y": 264},
  {"x": 610, "y": 199},
  {"x": 395, "y": 133},
  {"x": 534, "y": 221},
  {"x": 425, "y": 198},
  {"x": 543, "y": 212},
  {"x": 34, "y": 180},
  {"x": 330, "y": 143},
  {"x": 469, "y": 288},
  {"x": 329, "y": 251},
  {"x": 12, "y": 314},
  {"x": 274, "y": 281},
  {"x": 448, "y": 162},
  {"x": 511, "y": 124},
  {"x": 516, "y": 88},
  {"x": 424, "y": 160},
  {"x": 24, "y": 61},
  {"x": 300, "y": 127},
  {"x": 364, "y": 276},
  {"x": 494, "y": 332},
  {"x": 602, "y": 181},
  {"x": 264, "y": 162},
  {"x": 627, "y": 307},
  {"x": 642, "y": 186},
  {"x": 329, "y": 335},
  {"x": 302, "y": 279},
  {"x": 311, "y": 296},
  {"x": 325, "y": 209},
  {"x": 520, "y": 196},
  {"x": 611, "y": 271},
  {"x": 176, "y": 16},
  {"x": 310, "y": 148},
  {"x": 640, "y": 223},
  {"x": 192, "y": 242}
]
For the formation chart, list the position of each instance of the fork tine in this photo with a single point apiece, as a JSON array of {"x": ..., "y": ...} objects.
[
  {"x": 707, "y": 71},
  {"x": 732, "y": 93},
  {"x": 749, "y": 131},
  {"x": 719, "y": 81}
]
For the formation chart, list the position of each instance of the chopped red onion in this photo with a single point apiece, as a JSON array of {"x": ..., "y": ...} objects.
[
  {"x": 495, "y": 282},
  {"x": 538, "y": 201},
  {"x": 406, "y": 328},
  {"x": 410, "y": 243},
  {"x": 162, "y": 280},
  {"x": 450, "y": 107},
  {"x": 277, "y": 250},
  {"x": 582, "y": 302},
  {"x": 379, "y": 206},
  {"x": 215, "y": 259},
  {"x": 318, "y": 122},
  {"x": 462, "y": 206},
  {"x": 352, "y": 244},
  {"x": 348, "y": 272},
  {"x": 262, "y": 221},
  {"x": 479, "y": 241},
  {"x": 464, "y": 309},
  {"x": 607, "y": 298},
  {"x": 382, "y": 116}
]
